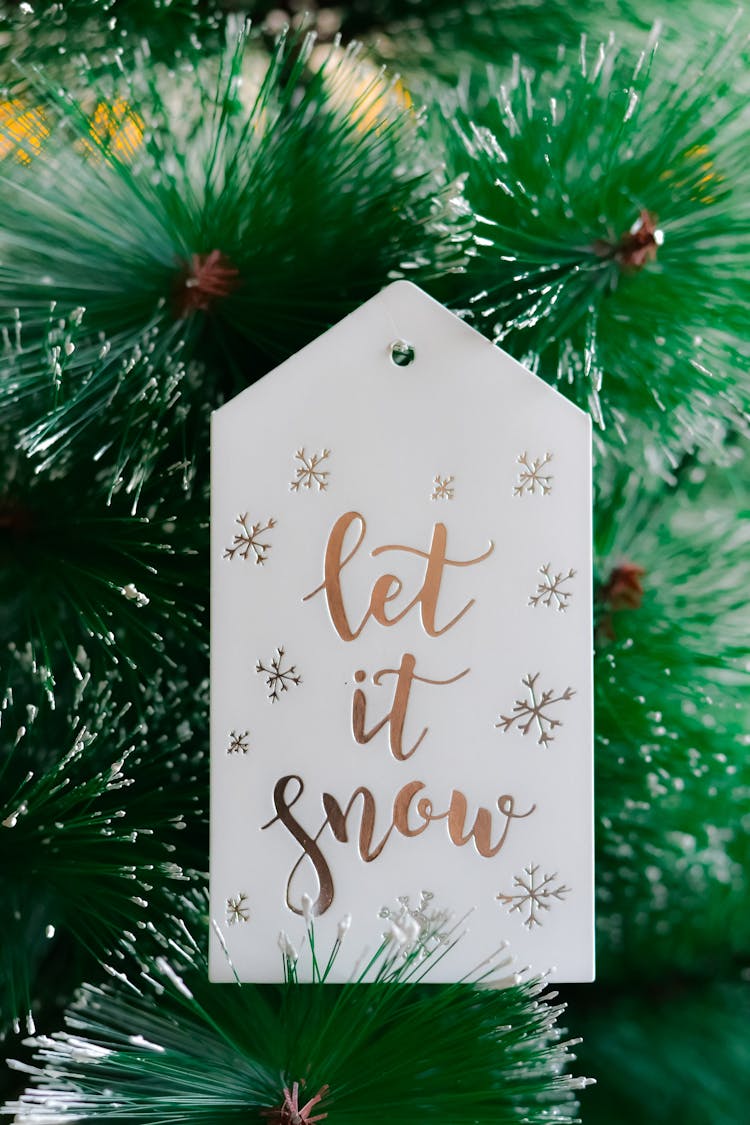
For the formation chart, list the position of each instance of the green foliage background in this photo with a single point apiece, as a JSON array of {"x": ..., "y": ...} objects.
[{"x": 574, "y": 182}]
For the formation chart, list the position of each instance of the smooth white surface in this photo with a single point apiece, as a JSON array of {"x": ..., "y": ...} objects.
[{"x": 463, "y": 409}]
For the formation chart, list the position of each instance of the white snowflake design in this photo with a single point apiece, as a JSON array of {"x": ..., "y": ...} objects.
[
  {"x": 531, "y": 478},
  {"x": 237, "y": 911},
  {"x": 420, "y": 922},
  {"x": 527, "y": 712},
  {"x": 309, "y": 471},
  {"x": 442, "y": 489},
  {"x": 238, "y": 743},
  {"x": 278, "y": 679},
  {"x": 533, "y": 894},
  {"x": 549, "y": 591},
  {"x": 246, "y": 543}
]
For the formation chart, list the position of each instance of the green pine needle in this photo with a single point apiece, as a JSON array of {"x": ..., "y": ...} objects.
[
  {"x": 681, "y": 1054},
  {"x": 672, "y": 689},
  {"x": 56, "y": 389},
  {"x": 79, "y": 572},
  {"x": 632, "y": 19},
  {"x": 442, "y": 37},
  {"x": 195, "y": 214},
  {"x": 55, "y": 31},
  {"x": 168, "y": 1046},
  {"x": 92, "y": 824},
  {"x": 611, "y": 247}
]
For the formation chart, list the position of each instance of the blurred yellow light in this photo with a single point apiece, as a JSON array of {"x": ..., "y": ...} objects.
[
  {"x": 361, "y": 90},
  {"x": 22, "y": 130},
  {"x": 117, "y": 128}
]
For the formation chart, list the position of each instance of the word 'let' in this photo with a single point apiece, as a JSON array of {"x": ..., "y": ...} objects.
[{"x": 388, "y": 586}]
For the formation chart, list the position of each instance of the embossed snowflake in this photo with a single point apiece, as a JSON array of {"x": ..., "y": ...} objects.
[
  {"x": 550, "y": 591},
  {"x": 238, "y": 743},
  {"x": 528, "y": 712},
  {"x": 531, "y": 478},
  {"x": 246, "y": 543},
  {"x": 309, "y": 471},
  {"x": 533, "y": 894},
  {"x": 236, "y": 910},
  {"x": 419, "y": 921},
  {"x": 278, "y": 678},
  {"x": 442, "y": 489}
]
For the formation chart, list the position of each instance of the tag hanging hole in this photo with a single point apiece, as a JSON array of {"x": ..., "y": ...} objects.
[{"x": 402, "y": 353}]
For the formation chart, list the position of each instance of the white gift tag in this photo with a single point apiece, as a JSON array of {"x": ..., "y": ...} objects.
[{"x": 401, "y": 649}]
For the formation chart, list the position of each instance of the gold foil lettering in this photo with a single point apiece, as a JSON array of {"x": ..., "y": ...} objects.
[
  {"x": 337, "y": 819},
  {"x": 397, "y": 715},
  {"x": 388, "y": 586},
  {"x": 309, "y": 845}
]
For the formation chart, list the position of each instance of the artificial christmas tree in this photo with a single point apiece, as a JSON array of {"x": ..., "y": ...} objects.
[{"x": 186, "y": 202}]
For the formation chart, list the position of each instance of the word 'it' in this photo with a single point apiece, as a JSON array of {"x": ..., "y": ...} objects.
[{"x": 396, "y": 717}]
